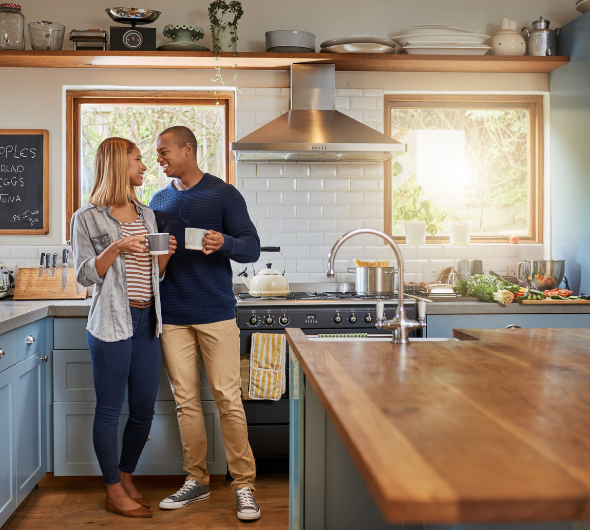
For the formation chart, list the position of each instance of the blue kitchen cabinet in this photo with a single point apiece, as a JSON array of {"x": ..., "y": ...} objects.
[
  {"x": 7, "y": 443},
  {"x": 441, "y": 326},
  {"x": 74, "y": 400}
]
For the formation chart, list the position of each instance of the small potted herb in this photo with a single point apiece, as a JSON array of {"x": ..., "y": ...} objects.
[
  {"x": 459, "y": 228},
  {"x": 225, "y": 34},
  {"x": 421, "y": 217}
]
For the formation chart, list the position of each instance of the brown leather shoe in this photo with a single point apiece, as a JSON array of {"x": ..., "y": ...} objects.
[
  {"x": 137, "y": 512},
  {"x": 143, "y": 501}
]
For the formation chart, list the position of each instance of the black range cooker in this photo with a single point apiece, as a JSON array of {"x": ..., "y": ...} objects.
[{"x": 315, "y": 313}]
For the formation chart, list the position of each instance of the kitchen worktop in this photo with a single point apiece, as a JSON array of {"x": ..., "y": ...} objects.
[
  {"x": 494, "y": 428},
  {"x": 14, "y": 314}
]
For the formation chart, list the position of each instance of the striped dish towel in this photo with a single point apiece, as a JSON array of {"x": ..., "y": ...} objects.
[{"x": 267, "y": 366}]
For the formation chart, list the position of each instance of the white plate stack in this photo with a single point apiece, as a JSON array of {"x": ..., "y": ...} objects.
[
  {"x": 358, "y": 44},
  {"x": 433, "y": 39},
  {"x": 583, "y": 5}
]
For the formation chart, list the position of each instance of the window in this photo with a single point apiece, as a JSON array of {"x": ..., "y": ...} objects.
[
  {"x": 477, "y": 157},
  {"x": 140, "y": 117}
]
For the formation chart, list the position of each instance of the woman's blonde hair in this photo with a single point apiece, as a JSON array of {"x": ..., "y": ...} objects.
[{"x": 111, "y": 186}]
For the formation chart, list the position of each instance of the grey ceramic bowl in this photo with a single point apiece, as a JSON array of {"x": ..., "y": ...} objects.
[{"x": 287, "y": 37}]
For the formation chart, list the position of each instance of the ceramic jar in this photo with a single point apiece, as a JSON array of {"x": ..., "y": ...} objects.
[{"x": 508, "y": 41}]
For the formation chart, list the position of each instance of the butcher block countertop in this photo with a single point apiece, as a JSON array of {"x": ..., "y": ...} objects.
[{"x": 494, "y": 428}]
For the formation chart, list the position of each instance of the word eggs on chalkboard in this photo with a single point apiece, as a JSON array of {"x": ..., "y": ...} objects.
[{"x": 24, "y": 182}]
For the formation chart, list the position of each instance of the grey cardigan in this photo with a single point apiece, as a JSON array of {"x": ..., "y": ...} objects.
[{"x": 93, "y": 229}]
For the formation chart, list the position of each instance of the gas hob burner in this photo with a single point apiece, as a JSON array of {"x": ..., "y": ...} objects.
[{"x": 310, "y": 296}]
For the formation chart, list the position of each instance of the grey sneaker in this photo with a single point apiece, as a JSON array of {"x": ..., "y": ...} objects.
[
  {"x": 192, "y": 491},
  {"x": 248, "y": 510}
]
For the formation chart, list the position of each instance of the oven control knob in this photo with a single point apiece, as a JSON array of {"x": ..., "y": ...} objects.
[
  {"x": 268, "y": 320},
  {"x": 368, "y": 318},
  {"x": 337, "y": 318},
  {"x": 352, "y": 318},
  {"x": 284, "y": 320},
  {"x": 254, "y": 320}
]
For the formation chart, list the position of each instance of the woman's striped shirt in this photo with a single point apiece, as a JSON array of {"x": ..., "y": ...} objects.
[{"x": 138, "y": 266}]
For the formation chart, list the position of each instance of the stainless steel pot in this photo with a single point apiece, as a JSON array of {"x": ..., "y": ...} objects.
[
  {"x": 541, "y": 274},
  {"x": 374, "y": 281}
]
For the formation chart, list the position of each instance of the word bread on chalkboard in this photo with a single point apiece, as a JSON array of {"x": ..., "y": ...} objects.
[{"x": 24, "y": 180}]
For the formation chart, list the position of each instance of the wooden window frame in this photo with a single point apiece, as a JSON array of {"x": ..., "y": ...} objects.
[
  {"x": 76, "y": 98},
  {"x": 533, "y": 104}
]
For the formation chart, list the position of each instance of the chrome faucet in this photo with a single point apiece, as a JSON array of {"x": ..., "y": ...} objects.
[{"x": 400, "y": 325}]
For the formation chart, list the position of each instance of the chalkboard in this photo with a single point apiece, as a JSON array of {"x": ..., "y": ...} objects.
[{"x": 24, "y": 181}]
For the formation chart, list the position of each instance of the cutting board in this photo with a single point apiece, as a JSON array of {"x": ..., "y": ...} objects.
[
  {"x": 29, "y": 286},
  {"x": 554, "y": 302}
]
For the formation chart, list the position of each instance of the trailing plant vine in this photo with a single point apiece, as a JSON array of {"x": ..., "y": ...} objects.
[{"x": 222, "y": 6}]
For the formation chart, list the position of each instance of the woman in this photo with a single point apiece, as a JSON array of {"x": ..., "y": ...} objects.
[{"x": 109, "y": 248}]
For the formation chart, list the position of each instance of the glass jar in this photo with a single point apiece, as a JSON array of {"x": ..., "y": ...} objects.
[{"x": 12, "y": 27}]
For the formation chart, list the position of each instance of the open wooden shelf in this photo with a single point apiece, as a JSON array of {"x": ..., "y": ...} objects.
[{"x": 280, "y": 61}]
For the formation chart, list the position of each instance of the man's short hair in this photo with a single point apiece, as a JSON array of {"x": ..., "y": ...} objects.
[{"x": 182, "y": 136}]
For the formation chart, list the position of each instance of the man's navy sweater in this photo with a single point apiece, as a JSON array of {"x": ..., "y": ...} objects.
[{"x": 197, "y": 289}]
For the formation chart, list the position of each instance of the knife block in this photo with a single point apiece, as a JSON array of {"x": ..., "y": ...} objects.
[{"x": 29, "y": 286}]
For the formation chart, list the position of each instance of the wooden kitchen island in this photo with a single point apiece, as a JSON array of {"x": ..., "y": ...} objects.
[{"x": 494, "y": 428}]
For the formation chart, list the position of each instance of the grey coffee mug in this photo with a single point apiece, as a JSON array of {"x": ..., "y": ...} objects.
[{"x": 158, "y": 243}]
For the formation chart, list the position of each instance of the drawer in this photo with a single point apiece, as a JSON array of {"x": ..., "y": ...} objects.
[
  {"x": 30, "y": 339},
  {"x": 70, "y": 334},
  {"x": 8, "y": 347},
  {"x": 73, "y": 380}
]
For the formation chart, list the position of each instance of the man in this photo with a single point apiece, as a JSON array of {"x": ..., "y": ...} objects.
[{"x": 198, "y": 313}]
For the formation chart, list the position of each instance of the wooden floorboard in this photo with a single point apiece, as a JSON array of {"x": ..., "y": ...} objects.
[{"x": 67, "y": 503}]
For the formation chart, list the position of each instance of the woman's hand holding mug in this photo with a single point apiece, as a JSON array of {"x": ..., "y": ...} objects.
[{"x": 131, "y": 245}]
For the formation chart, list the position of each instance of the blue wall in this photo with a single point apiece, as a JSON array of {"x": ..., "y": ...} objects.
[{"x": 570, "y": 154}]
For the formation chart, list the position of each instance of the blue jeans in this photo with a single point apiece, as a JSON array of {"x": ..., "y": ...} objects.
[{"x": 134, "y": 364}]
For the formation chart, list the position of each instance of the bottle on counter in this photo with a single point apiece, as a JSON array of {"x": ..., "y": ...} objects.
[{"x": 12, "y": 27}]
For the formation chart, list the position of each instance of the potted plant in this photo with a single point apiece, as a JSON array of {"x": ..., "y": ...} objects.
[
  {"x": 459, "y": 228},
  {"x": 421, "y": 217},
  {"x": 225, "y": 34}
]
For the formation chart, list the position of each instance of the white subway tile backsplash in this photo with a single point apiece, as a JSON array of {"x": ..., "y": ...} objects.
[
  {"x": 310, "y": 212},
  {"x": 323, "y": 197},
  {"x": 349, "y": 92},
  {"x": 429, "y": 252},
  {"x": 269, "y": 170},
  {"x": 340, "y": 265},
  {"x": 310, "y": 238},
  {"x": 363, "y": 212},
  {"x": 320, "y": 277},
  {"x": 258, "y": 212},
  {"x": 283, "y": 184},
  {"x": 345, "y": 278},
  {"x": 296, "y": 252},
  {"x": 311, "y": 265},
  {"x": 342, "y": 102},
  {"x": 497, "y": 265},
  {"x": 248, "y": 128},
  {"x": 278, "y": 103},
  {"x": 297, "y": 225},
  {"x": 408, "y": 251},
  {"x": 264, "y": 239},
  {"x": 346, "y": 225},
  {"x": 377, "y": 224},
  {"x": 373, "y": 116},
  {"x": 531, "y": 251},
  {"x": 374, "y": 125},
  {"x": 481, "y": 251},
  {"x": 455, "y": 251},
  {"x": 269, "y": 91},
  {"x": 352, "y": 170},
  {"x": 255, "y": 184},
  {"x": 507, "y": 251},
  {"x": 336, "y": 212},
  {"x": 377, "y": 92},
  {"x": 324, "y": 225},
  {"x": 265, "y": 116},
  {"x": 246, "y": 116},
  {"x": 283, "y": 212},
  {"x": 323, "y": 170},
  {"x": 379, "y": 103},
  {"x": 349, "y": 198},
  {"x": 247, "y": 92},
  {"x": 364, "y": 103},
  {"x": 25, "y": 252},
  {"x": 373, "y": 170},
  {"x": 5, "y": 252},
  {"x": 377, "y": 252},
  {"x": 254, "y": 102},
  {"x": 364, "y": 185},
  {"x": 373, "y": 198},
  {"x": 269, "y": 197},
  {"x": 331, "y": 237},
  {"x": 354, "y": 114},
  {"x": 299, "y": 277},
  {"x": 350, "y": 252},
  {"x": 310, "y": 184},
  {"x": 282, "y": 239},
  {"x": 295, "y": 197},
  {"x": 367, "y": 240},
  {"x": 321, "y": 252},
  {"x": 339, "y": 184},
  {"x": 286, "y": 92},
  {"x": 269, "y": 225},
  {"x": 297, "y": 170}
]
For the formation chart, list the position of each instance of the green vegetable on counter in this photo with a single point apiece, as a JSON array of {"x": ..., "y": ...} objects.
[{"x": 484, "y": 287}]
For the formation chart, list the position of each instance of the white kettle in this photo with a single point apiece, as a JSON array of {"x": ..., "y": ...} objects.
[{"x": 268, "y": 282}]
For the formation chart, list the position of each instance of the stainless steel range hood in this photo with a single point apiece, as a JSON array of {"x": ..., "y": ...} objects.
[{"x": 312, "y": 131}]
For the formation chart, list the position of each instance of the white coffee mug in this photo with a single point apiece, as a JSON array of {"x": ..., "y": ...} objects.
[{"x": 193, "y": 238}]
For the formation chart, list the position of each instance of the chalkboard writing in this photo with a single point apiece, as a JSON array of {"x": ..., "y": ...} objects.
[{"x": 24, "y": 182}]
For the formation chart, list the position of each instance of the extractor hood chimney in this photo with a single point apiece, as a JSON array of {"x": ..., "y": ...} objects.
[{"x": 312, "y": 131}]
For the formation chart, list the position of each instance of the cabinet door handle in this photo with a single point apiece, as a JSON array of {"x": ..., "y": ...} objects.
[
  {"x": 513, "y": 326},
  {"x": 30, "y": 340},
  {"x": 2, "y": 354},
  {"x": 44, "y": 358}
]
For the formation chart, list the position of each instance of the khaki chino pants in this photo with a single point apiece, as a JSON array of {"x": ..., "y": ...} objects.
[{"x": 219, "y": 344}]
